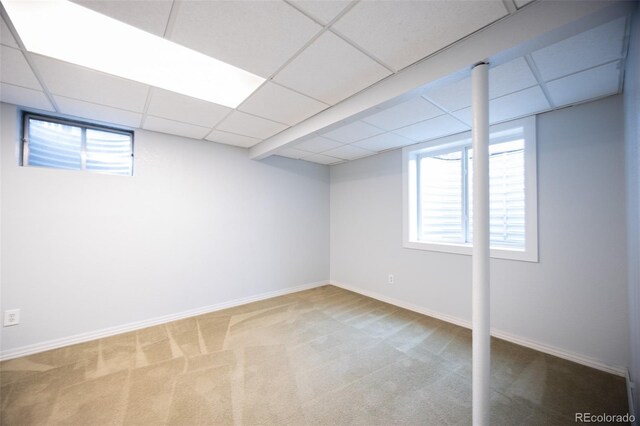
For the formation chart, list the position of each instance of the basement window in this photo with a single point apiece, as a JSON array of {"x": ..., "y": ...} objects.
[
  {"x": 73, "y": 145},
  {"x": 438, "y": 195}
]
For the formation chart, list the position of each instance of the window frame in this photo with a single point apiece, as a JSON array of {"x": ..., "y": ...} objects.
[
  {"x": 526, "y": 127},
  {"x": 84, "y": 126}
]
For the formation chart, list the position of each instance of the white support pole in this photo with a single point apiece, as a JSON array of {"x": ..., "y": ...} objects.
[{"x": 480, "y": 258}]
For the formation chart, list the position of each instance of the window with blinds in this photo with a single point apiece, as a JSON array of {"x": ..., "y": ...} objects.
[
  {"x": 64, "y": 144},
  {"x": 438, "y": 185}
]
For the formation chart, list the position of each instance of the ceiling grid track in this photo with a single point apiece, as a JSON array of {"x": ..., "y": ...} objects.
[
  {"x": 298, "y": 92},
  {"x": 362, "y": 50},
  {"x": 36, "y": 72},
  {"x": 438, "y": 105},
  {"x": 536, "y": 73}
]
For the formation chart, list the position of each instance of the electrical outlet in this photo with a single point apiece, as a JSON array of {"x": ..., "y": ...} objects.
[
  {"x": 11, "y": 317},
  {"x": 391, "y": 279}
]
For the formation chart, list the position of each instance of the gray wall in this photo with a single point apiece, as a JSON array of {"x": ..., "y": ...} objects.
[
  {"x": 632, "y": 133},
  {"x": 199, "y": 224},
  {"x": 574, "y": 299}
]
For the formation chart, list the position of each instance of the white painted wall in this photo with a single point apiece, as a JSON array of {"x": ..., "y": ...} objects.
[
  {"x": 199, "y": 224},
  {"x": 574, "y": 299},
  {"x": 632, "y": 139}
]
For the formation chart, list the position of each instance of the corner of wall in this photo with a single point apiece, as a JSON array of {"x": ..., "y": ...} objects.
[{"x": 632, "y": 142}]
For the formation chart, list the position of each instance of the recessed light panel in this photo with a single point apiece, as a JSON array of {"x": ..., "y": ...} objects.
[{"x": 69, "y": 32}]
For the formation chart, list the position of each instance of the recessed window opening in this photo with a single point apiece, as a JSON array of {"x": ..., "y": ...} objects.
[
  {"x": 72, "y": 145},
  {"x": 439, "y": 193}
]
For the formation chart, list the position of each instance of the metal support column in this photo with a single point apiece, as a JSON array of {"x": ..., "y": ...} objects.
[{"x": 480, "y": 271}]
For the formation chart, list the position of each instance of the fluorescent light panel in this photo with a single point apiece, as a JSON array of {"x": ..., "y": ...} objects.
[{"x": 69, "y": 32}]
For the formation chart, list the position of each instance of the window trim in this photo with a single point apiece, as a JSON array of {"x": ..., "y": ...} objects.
[
  {"x": 23, "y": 152},
  {"x": 498, "y": 133}
]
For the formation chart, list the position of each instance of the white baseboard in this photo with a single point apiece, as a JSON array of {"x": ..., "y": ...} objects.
[
  {"x": 106, "y": 332},
  {"x": 541, "y": 347}
]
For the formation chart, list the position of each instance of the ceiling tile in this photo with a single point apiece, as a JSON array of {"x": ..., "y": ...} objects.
[
  {"x": 281, "y": 104},
  {"x": 349, "y": 152},
  {"x": 232, "y": 139},
  {"x": 80, "y": 83},
  {"x": 14, "y": 69},
  {"x": 148, "y": 15},
  {"x": 585, "y": 50},
  {"x": 519, "y": 104},
  {"x": 331, "y": 70},
  {"x": 98, "y": 112},
  {"x": 510, "y": 77},
  {"x": 353, "y": 132},
  {"x": 600, "y": 81},
  {"x": 526, "y": 102},
  {"x": 257, "y": 36},
  {"x": 171, "y": 127},
  {"x": 404, "y": 114},
  {"x": 183, "y": 108},
  {"x": 383, "y": 142},
  {"x": 322, "y": 10},
  {"x": 503, "y": 79},
  {"x": 317, "y": 144},
  {"x": 452, "y": 96},
  {"x": 291, "y": 153},
  {"x": 322, "y": 159},
  {"x": 24, "y": 97},
  {"x": 6, "y": 38},
  {"x": 431, "y": 129},
  {"x": 249, "y": 125},
  {"x": 402, "y": 32}
]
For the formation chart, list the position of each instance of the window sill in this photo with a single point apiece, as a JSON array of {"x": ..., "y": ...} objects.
[{"x": 467, "y": 249}]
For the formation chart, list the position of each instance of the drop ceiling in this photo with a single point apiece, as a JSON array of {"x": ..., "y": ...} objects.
[
  {"x": 581, "y": 68},
  {"x": 314, "y": 55}
]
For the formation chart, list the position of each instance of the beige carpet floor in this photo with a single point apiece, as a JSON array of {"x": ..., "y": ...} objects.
[{"x": 323, "y": 356}]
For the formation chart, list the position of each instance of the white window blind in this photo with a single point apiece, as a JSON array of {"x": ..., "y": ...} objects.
[
  {"x": 445, "y": 199},
  {"x": 441, "y": 207},
  {"x": 108, "y": 152},
  {"x": 506, "y": 194},
  {"x": 54, "y": 145}
]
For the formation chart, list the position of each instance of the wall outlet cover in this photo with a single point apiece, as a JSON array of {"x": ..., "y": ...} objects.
[{"x": 11, "y": 317}]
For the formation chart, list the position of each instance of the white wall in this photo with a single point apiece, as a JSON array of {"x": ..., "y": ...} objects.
[
  {"x": 574, "y": 299},
  {"x": 199, "y": 224},
  {"x": 632, "y": 138}
]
